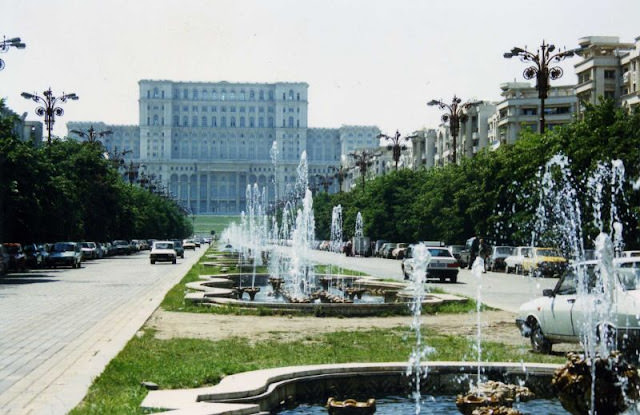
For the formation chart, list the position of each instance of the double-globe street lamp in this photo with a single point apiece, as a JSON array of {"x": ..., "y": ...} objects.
[
  {"x": 456, "y": 114},
  {"x": 91, "y": 134},
  {"x": 49, "y": 109},
  {"x": 394, "y": 143},
  {"x": 541, "y": 70},
  {"x": 7, "y": 44}
]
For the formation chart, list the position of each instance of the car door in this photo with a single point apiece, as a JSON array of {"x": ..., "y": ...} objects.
[{"x": 557, "y": 318}]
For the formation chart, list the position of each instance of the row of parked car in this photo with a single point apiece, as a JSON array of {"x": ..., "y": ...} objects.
[{"x": 20, "y": 257}]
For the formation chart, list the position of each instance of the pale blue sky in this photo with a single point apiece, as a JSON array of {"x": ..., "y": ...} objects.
[{"x": 369, "y": 62}]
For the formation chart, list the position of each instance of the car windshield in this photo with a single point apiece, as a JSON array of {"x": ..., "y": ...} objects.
[
  {"x": 12, "y": 249},
  {"x": 86, "y": 245},
  {"x": 164, "y": 245},
  {"x": 548, "y": 252},
  {"x": 439, "y": 252},
  {"x": 177, "y": 244},
  {"x": 120, "y": 243},
  {"x": 629, "y": 278},
  {"x": 504, "y": 250},
  {"x": 63, "y": 247}
]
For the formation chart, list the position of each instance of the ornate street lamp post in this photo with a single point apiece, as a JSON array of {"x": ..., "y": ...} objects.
[
  {"x": 340, "y": 174},
  {"x": 49, "y": 109},
  {"x": 541, "y": 70},
  {"x": 363, "y": 159},
  {"x": 395, "y": 145},
  {"x": 8, "y": 44},
  {"x": 92, "y": 135},
  {"x": 456, "y": 113},
  {"x": 325, "y": 181}
]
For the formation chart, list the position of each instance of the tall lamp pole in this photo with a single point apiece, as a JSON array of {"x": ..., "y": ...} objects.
[
  {"x": 91, "y": 134},
  {"x": 541, "y": 70},
  {"x": 363, "y": 159},
  {"x": 7, "y": 44},
  {"x": 49, "y": 110},
  {"x": 456, "y": 113},
  {"x": 395, "y": 144}
]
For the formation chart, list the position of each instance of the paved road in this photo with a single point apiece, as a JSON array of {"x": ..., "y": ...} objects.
[
  {"x": 59, "y": 328},
  {"x": 499, "y": 290}
]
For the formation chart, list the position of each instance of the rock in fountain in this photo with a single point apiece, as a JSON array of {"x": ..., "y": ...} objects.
[
  {"x": 351, "y": 407},
  {"x": 493, "y": 398},
  {"x": 616, "y": 385}
]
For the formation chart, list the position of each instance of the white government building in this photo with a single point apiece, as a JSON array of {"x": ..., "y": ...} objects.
[{"x": 206, "y": 141}]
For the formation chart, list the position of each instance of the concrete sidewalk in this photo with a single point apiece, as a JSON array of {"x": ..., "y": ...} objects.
[{"x": 60, "y": 329}]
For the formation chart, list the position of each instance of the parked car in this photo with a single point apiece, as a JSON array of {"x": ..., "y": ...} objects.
[
  {"x": 89, "y": 250},
  {"x": 378, "y": 246},
  {"x": 455, "y": 251},
  {"x": 513, "y": 263},
  {"x": 399, "y": 251},
  {"x": 33, "y": 256},
  {"x": 17, "y": 259},
  {"x": 387, "y": 248},
  {"x": 465, "y": 253},
  {"x": 496, "y": 261},
  {"x": 189, "y": 244},
  {"x": 4, "y": 260},
  {"x": 162, "y": 251},
  {"x": 66, "y": 254},
  {"x": 45, "y": 250},
  {"x": 121, "y": 247},
  {"x": 177, "y": 246},
  {"x": 559, "y": 315},
  {"x": 544, "y": 262},
  {"x": 442, "y": 264}
]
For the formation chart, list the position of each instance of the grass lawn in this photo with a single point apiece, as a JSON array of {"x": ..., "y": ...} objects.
[{"x": 190, "y": 363}]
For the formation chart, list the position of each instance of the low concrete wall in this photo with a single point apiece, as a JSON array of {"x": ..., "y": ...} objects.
[{"x": 271, "y": 389}]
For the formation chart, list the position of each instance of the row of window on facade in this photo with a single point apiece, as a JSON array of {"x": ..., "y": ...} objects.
[
  {"x": 223, "y": 94},
  {"x": 223, "y": 108},
  {"x": 240, "y": 122}
]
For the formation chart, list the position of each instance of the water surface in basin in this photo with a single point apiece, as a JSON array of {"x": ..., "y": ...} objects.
[{"x": 437, "y": 405}]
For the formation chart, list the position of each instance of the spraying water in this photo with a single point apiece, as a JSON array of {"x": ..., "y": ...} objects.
[
  {"x": 421, "y": 259},
  {"x": 359, "y": 226}
]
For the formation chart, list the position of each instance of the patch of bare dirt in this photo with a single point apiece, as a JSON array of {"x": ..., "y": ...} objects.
[{"x": 498, "y": 326}]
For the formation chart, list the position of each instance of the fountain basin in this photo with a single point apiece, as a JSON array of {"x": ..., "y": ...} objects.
[
  {"x": 269, "y": 389},
  {"x": 221, "y": 290}
]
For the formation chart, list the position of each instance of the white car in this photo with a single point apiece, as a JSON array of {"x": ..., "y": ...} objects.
[
  {"x": 514, "y": 261},
  {"x": 443, "y": 264},
  {"x": 559, "y": 315},
  {"x": 162, "y": 251},
  {"x": 189, "y": 244}
]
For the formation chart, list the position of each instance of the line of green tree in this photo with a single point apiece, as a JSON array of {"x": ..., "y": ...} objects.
[
  {"x": 69, "y": 191},
  {"x": 496, "y": 193}
]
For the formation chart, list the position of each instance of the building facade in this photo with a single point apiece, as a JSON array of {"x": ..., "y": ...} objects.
[
  {"x": 608, "y": 69},
  {"x": 520, "y": 109},
  {"x": 205, "y": 142}
]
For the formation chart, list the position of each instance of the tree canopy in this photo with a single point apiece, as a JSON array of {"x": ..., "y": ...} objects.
[
  {"x": 497, "y": 193},
  {"x": 68, "y": 191}
]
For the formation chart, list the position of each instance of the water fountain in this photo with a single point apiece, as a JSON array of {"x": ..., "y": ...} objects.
[{"x": 559, "y": 212}]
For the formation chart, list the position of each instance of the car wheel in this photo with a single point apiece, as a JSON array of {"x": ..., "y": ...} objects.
[
  {"x": 518, "y": 269},
  {"x": 539, "y": 343},
  {"x": 182, "y": 256},
  {"x": 174, "y": 261},
  {"x": 453, "y": 280},
  {"x": 153, "y": 262},
  {"x": 442, "y": 279}
]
